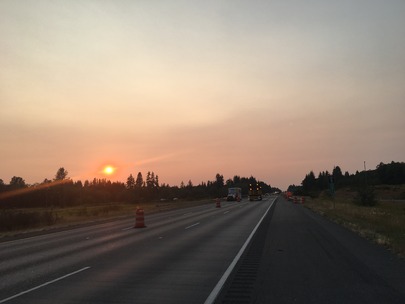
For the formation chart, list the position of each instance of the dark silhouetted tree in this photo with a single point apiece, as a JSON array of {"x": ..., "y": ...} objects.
[
  {"x": 130, "y": 182},
  {"x": 391, "y": 174},
  {"x": 2, "y": 185},
  {"x": 337, "y": 175},
  {"x": 309, "y": 183},
  {"x": 61, "y": 174},
  {"x": 139, "y": 180},
  {"x": 17, "y": 182},
  {"x": 219, "y": 180}
]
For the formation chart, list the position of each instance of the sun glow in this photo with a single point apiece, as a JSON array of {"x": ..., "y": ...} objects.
[{"x": 108, "y": 170}]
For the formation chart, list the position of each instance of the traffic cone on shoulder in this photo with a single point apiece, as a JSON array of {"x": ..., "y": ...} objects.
[
  {"x": 302, "y": 200},
  {"x": 218, "y": 203},
  {"x": 139, "y": 218}
]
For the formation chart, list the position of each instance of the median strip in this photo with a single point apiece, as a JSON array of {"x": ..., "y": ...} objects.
[{"x": 43, "y": 285}]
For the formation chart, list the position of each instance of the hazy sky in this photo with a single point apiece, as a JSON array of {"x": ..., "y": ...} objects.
[{"x": 189, "y": 89}]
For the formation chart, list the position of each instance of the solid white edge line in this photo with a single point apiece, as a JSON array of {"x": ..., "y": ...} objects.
[
  {"x": 214, "y": 293},
  {"x": 43, "y": 285}
]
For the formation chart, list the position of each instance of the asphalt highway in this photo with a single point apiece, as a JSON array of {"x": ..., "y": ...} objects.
[
  {"x": 300, "y": 257},
  {"x": 178, "y": 258},
  {"x": 272, "y": 251}
]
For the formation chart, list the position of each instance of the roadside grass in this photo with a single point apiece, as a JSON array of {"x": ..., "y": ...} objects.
[
  {"x": 19, "y": 221},
  {"x": 383, "y": 223}
]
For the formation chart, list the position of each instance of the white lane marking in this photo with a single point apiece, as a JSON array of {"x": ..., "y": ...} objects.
[
  {"x": 226, "y": 212},
  {"x": 215, "y": 292},
  {"x": 187, "y": 213},
  {"x": 191, "y": 226},
  {"x": 126, "y": 228},
  {"x": 45, "y": 284}
]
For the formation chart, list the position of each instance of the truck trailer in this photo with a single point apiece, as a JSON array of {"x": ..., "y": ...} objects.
[{"x": 234, "y": 194}]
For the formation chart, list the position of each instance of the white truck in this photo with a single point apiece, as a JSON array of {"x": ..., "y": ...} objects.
[{"x": 234, "y": 194}]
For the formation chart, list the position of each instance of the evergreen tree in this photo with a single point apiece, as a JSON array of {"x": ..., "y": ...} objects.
[
  {"x": 219, "y": 180},
  {"x": 150, "y": 180},
  {"x": 323, "y": 180},
  {"x": 309, "y": 182},
  {"x": 156, "y": 182},
  {"x": 2, "y": 185},
  {"x": 139, "y": 180},
  {"x": 130, "y": 182},
  {"x": 337, "y": 174},
  {"x": 236, "y": 180},
  {"x": 391, "y": 174},
  {"x": 61, "y": 174}
]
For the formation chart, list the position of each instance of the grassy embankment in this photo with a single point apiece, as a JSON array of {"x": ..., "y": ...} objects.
[
  {"x": 17, "y": 221},
  {"x": 383, "y": 223}
]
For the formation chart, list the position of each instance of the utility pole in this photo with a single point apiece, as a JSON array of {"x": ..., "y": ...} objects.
[
  {"x": 365, "y": 174},
  {"x": 332, "y": 188}
]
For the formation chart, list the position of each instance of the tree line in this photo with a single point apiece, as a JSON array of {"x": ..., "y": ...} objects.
[
  {"x": 62, "y": 191},
  {"x": 387, "y": 174}
]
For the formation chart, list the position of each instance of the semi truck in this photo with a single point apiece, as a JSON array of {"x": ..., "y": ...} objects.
[
  {"x": 234, "y": 194},
  {"x": 255, "y": 192}
]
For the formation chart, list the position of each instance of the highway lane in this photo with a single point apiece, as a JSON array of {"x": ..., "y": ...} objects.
[{"x": 178, "y": 258}]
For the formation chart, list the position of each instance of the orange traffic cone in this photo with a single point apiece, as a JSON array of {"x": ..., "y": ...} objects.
[
  {"x": 139, "y": 218},
  {"x": 218, "y": 203}
]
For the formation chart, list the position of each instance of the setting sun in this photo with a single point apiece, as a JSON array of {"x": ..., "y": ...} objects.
[{"x": 108, "y": 170}]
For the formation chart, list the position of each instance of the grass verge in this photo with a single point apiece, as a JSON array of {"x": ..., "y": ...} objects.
[
  {"x": 20, "y": 221},
  {"x": 384, "y": 223}
]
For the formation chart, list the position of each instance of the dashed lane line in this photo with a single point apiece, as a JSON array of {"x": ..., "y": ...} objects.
[{"x": 193, "y": 225}]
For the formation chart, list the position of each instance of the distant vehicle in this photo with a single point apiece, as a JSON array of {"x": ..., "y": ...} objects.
[
  {"x": 288, "y": 195},
  {"x": 255, "y": 192},
  {"x": 234, "y": 194}
]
